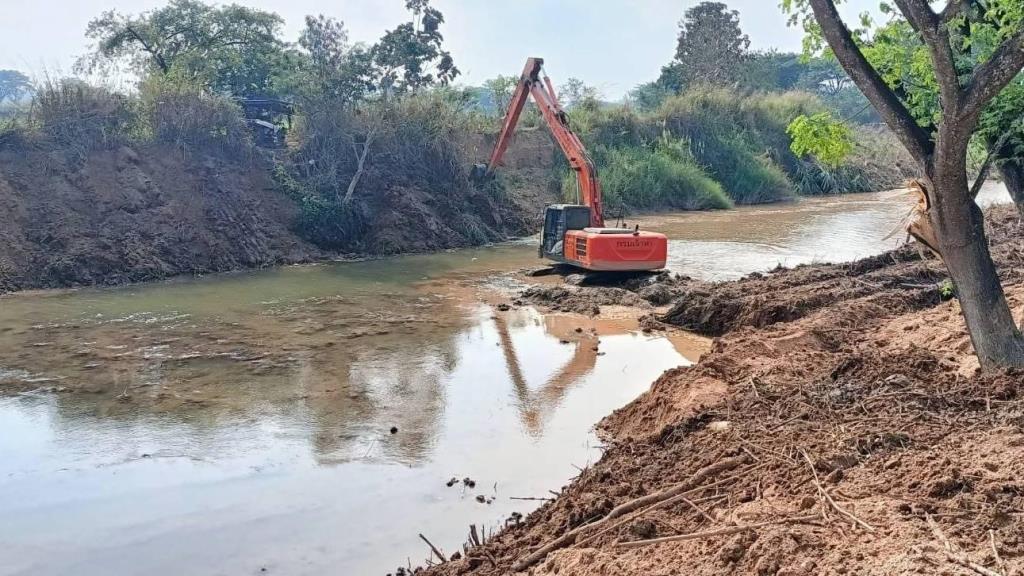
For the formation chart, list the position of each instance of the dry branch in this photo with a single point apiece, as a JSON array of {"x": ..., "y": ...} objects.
[
  {"x": 831, "y": 502},
  {"x": 570, "y": 537},
  {"x": 719, "y": 531},
  {"x": 434, "y": 549},
  {"x": 954, "y": 555}
]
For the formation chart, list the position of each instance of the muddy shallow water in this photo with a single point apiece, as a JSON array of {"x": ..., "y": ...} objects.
[{"x": 241, "y": 424}]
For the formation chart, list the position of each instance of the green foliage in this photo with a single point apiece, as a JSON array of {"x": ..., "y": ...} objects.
[
  {"x": 904, "y": 63},
  {"x": 577, "y": 94},
  {"x": 896, "y": 50},
  {"x": 499, "y": 91},
  {"x": 231, "y": 49},
  {"x": 947, "y": 290},
  {"x": 12, "y": 134},
  {"x": 821, "y": 136},
  {"x": 411, "y": 56},
  {"x": 774, "y": 71},
  {"x": 665, "y": 177},
  {"x": 876, "y": 162}
]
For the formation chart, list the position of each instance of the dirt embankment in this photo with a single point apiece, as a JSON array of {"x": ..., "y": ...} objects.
[
  {"x": 838, "y": 426},
  {"x": 132, "y": 215},
  {"x": 145, "y": 213}
]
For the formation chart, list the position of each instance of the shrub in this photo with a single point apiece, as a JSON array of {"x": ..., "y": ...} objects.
[
  {"x": 12, "y": 133},
  {"x": 185, "y": 115},
  {"x": 79, "y": 117}
]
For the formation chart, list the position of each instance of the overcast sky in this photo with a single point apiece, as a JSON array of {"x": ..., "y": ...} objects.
[{"x": 612, "y": 44}]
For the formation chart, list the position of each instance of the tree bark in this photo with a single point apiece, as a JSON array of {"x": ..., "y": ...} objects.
[
  {"x": 1012, "y": 172},
  {"x": 960, "y": 228}
]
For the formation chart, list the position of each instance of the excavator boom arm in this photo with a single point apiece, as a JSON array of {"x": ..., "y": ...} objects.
[{"x": 530, "y": 83}]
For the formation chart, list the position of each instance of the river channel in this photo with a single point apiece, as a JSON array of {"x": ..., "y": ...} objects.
[{"x": 309, "y": 419}]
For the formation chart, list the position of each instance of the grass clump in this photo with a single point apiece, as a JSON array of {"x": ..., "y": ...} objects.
[
  {"x": 633, "y": 177},
  {"x": 183, "y": 114},
  {"x": 77, "y": 117}
]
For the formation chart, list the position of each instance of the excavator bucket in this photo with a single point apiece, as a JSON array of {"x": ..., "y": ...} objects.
[{"x": 479, "y": 173}]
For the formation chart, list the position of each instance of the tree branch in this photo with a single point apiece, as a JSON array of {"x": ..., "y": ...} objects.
[
  {"x": 994, "y": 152},
  {"x": 953, "y": 9},
  {"x": 936, "y": 37},
  {"x": 895, "y": 114},
  {"x": 152, "y": 51},
  {"x": 992, "y": 76}
]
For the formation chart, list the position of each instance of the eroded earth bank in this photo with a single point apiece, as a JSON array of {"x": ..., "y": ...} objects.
[{"x": 839, "y": 425}]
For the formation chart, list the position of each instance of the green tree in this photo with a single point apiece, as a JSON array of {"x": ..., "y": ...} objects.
[
  {"x": 412, "y": 56},
  {"x": 649, "y": 96},
  {"x": 711, "y": 48},
  {"x": 13, "y": 85},
  {"x": 970, "y": 71},
  {"x": 333, "y": 69},
  {"x": 500, "y": 90},
  {"x": 232, "y": 49},
  {"x": 326, "y": 40},
  {"x": 576, "y": 93},
  {"x": 773, "y": 71}
]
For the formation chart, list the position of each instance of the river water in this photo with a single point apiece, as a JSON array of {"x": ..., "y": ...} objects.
[{"x": 242, "y": 423}]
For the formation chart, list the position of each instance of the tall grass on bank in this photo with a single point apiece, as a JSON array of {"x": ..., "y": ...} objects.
[
  {"x": 78, "y": 117},
  {"x": 75, "y": 118},
  {"x": 739, "y": 141},
  {"x": 184, "y": 115},
  {"x": 667, "y": 177}
]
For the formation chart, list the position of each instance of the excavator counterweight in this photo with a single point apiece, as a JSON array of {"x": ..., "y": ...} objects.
[{"x": 575, "y": 234}]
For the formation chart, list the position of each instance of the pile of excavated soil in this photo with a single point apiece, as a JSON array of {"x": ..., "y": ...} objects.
[
  {"x": 854, "y": 435},
  {"x": 581, "y": 300}
]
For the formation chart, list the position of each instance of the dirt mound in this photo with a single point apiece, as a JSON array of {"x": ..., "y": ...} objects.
[
  {"x": 853, "y": 439},
  {"x": 901, "y": 280},
  {"x": 581, "y": 300}
]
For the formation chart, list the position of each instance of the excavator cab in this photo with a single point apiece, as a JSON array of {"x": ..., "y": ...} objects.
[
  {"x": 575, "y": 233},
  {"x": 559, "y": 219}
]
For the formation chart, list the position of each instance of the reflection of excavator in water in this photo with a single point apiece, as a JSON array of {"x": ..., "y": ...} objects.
[
  {"x": 575, "y": 233},
  {"x": 533, "y": 406}
]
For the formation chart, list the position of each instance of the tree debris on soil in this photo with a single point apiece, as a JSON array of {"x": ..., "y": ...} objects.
[{"x": 839, "y": 425}]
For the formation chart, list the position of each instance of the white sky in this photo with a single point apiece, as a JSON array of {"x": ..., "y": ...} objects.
[{"x": 612, "y": 44}]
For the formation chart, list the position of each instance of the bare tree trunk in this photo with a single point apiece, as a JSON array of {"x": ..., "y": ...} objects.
[
  {"x": 360, "y": 165},
  {"x": 961, "y": 235},
  {"x": 1013, "y": 176}
]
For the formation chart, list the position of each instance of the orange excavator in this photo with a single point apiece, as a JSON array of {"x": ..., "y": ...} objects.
[{"x": 575, "y": 234}]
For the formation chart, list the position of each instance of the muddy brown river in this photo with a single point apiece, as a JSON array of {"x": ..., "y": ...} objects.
[{"x": 242, "y": 423}]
